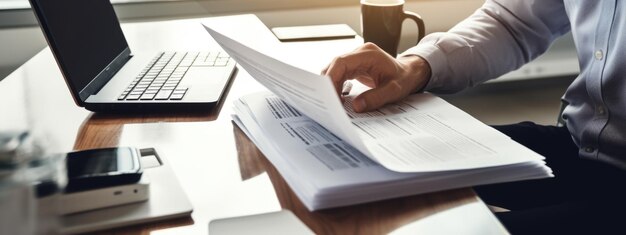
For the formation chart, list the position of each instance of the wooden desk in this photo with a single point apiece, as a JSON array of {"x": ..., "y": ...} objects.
[{"x": 220, "y": 169}]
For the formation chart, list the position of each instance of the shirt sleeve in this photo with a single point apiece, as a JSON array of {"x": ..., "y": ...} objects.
[{"x": 499, "y": 37}]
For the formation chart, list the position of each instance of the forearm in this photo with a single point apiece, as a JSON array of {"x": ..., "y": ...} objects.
[{"x": 496, "y": 39}]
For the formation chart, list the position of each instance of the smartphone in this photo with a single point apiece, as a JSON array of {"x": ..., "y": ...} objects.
[
  {"x": 313, "y": 32},
  {"x": 99, "y": 168}
]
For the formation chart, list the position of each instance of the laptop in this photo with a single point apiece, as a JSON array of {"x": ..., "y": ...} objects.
[{"x": 104, "y": 76}]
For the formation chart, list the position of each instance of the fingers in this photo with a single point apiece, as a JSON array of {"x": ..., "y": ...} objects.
[
  {"x": 370, "y": 65},
  {"x": 373, "y": 99},
  {"x": 345, "y": 67},
  {"x": 336, "y": 71},
  {"x": 367, "y": 80}
]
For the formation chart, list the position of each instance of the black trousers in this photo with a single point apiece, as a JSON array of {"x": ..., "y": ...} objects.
[{"x": 584, "y": 197}]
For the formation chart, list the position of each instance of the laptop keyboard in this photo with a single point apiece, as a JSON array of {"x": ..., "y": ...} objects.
[{"x": 161, "y": 78}]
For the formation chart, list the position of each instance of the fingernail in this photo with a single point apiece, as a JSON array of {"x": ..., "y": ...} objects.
[{"x": 359, "y": 105}]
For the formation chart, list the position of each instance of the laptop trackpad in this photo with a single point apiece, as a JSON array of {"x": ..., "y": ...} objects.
[{"x": 205, "y": 82}]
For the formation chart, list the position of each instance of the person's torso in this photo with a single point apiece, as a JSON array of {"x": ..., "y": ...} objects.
[{"x": 596, "y": 114}]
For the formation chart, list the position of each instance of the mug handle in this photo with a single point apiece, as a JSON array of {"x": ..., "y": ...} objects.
[{"x": 421, "y": 28}]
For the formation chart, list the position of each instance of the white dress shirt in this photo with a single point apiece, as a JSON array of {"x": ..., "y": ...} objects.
[{"x": 505, "y": 34}]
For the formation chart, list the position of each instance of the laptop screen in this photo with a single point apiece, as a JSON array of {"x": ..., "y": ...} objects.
[{"x": 84, "y": 35}]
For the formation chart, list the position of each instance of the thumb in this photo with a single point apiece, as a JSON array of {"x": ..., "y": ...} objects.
[{"x": 375, "y": 98}]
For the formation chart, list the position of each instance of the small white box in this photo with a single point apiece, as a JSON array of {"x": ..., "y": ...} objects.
[{"x": 105, "y": 197}]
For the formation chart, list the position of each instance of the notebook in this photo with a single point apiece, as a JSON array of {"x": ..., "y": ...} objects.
[{"x": 104, "y": 76}]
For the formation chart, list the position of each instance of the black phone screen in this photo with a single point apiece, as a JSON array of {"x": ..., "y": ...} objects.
[
  {"x": 101, "y": 162},
  {"x": 99, "y": 168}
]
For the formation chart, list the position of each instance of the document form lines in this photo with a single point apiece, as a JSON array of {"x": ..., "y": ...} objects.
[
  {"x": 334, "y": 157},
  {"x": 429, "y": 154},
  {"x": 403, "y": 160},
  {"x": 363, "y": 129},
  {"x": 390, "y": 121},
  {"x": 406, "y": 104},
  {"x": 381, "y": 128},
  {"x": 305, "y": 141},
  {"x": 321, "y": 132},
  {"x": 453, "y": 137},
  {"x": 346, "y": 153},
  {"x": 348, "y": 104},
  {"x": 280, "y": 109}
]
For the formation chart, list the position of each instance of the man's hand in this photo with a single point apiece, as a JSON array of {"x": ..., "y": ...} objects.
[{"x": 391, "y": 79}]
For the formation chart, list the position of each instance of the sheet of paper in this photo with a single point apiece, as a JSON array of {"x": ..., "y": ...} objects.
[
  {"x": 312, "y": 94},
  {"x": 421, "y": 134},
  {"x": 425, "y": 131}
]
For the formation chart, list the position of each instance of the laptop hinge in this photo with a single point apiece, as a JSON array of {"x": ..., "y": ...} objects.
[{"x": 105, "y": 75}]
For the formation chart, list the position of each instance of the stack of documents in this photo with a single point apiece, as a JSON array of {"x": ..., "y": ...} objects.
[{"x": 331, "y": 156}]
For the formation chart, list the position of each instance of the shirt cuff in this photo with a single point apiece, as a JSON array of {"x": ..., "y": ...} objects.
[{"x": 435, "y": 58}]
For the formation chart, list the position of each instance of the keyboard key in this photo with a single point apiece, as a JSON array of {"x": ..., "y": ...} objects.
[
  {"x": 202, "y": 63},
  {"x": 177, "y": 96},
  {"x": 147, "y": 96},
  {"x": 132, "y": 97},
  {"x": 171, "y": 83},
  {"x": 163, "y": 94}
]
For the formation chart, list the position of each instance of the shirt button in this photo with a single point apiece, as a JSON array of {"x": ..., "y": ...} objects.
[
  {"x": 601, "y": 110},
  {"x": 599, "y": 55},
  {"x": 589, "y": 149}
]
